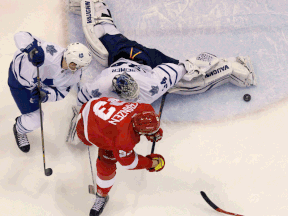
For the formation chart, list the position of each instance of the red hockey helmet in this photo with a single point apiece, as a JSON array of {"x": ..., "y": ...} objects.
[{"x": 146, "y": 122}]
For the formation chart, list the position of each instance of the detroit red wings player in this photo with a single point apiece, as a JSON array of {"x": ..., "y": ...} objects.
[{"x": 115, "y": 127}]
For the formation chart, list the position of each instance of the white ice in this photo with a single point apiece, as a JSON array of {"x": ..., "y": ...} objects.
[{"x": 238, "y": 157}]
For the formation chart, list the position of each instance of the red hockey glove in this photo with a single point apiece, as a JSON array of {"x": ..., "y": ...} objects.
[
  {"x": 158, "y": 136},
  {"x": 161, "y": 162}
]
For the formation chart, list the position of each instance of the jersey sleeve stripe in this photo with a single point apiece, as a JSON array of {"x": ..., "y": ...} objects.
[
  {"x": 20, "y": 64},
  {"x": 174, "y": 71},
  {"x": 134, "y": 163},
  {"x": 19, "y": 68},
  {"x": 84, "y": 95},
  {"x": 80, "y": 101},
  {"x": 14, "y": 64},
  {"x": 57, "y": 92},
  {"x": 168, "y": 74}
]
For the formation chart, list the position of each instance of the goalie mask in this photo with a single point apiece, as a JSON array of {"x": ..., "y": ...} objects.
[
  {"x": 125, "y": 86},
  {"x": 146, "y": 122},
  {"x": 78, "y": 54}
]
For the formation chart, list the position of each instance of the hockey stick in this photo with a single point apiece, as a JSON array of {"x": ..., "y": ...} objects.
[
  {"x": 160, "y": 113},
  {"x": 205, "y": 197},
  {"x": 91, "y": 188},
  {"x": 47, "y": 171}
]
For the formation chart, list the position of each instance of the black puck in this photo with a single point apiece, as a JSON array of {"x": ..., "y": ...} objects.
[{"x": 247, "y": 97}]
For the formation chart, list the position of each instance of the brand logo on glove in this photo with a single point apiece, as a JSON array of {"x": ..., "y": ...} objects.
[{"x": 219, "y": 70}]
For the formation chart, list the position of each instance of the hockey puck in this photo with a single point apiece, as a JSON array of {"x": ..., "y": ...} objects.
[{"x": 247, "y": 97}]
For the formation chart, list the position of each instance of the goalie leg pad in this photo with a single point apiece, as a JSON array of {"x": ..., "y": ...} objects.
[
  {"x": 243, "y": 74},
  {"x": 95, "y": 14}
]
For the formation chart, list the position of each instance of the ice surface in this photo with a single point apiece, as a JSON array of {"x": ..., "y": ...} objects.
[{"x": 234, "y": 151}]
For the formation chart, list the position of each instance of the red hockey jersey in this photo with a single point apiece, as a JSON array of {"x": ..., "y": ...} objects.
[{"x": 106, "y": 123}]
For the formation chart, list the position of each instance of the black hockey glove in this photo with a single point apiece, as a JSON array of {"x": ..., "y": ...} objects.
[
  {"x": 36, "y": 95},
  {"x": 35, "y": 53}
]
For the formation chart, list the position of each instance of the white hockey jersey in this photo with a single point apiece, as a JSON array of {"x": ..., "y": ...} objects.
[
  {"x": 152, "y": 83},
  {"x": 53, "y": 77}
]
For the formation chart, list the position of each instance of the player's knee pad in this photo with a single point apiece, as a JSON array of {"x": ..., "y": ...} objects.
[
  {"x": 95, "y": 14},
  {"x": 242, "y": 72}
]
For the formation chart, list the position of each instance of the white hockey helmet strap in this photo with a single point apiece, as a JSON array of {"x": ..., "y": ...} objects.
[{"x": 78, "y": 54}]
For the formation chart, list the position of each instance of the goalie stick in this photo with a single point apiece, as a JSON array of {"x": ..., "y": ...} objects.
[{"x": 205, "y": 197}]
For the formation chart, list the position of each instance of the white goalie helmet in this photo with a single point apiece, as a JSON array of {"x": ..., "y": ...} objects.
[{"x": 78, "y": 54}]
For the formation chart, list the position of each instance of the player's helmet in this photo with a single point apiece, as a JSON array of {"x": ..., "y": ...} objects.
[
  {"x": 125, "y": 86},
  {"x": 146, "y": 122},
  {"x": 78, "y": 54}
]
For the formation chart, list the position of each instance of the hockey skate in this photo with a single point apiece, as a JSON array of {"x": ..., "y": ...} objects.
[
  {"x": 21, "y": 140},
  {"x": 99, "y": 205},
  {"x": 246, "y": 62}
]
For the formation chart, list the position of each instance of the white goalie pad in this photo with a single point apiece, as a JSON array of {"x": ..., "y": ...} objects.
[
  {"x": 75, "y": 6},
  {"x": 89, "y": 11},
  {"x": 239, "y": 72},
  {"x": 217, "y": 75},
  {"x": 72, "y": 137}
]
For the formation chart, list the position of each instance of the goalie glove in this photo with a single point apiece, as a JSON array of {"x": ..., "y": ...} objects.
[
  {"x": 158, "y": 136},
  {"x": 161, "y": 162}
]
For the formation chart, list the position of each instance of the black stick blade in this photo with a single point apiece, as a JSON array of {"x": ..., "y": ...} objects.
[
  {"x": 48, "y": 171},
  {"x": 205, "y": 197}
]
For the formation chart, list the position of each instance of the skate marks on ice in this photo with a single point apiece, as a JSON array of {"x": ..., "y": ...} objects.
[{"x": 226, "y": 29}]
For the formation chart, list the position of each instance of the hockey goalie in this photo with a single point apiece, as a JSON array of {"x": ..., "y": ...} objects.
[{"x": 135, "y": 73}]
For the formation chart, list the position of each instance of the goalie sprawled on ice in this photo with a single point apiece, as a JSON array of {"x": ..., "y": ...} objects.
[
  {"x": 141, "y": 74},
  {"x": 136, "y": 73}
]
